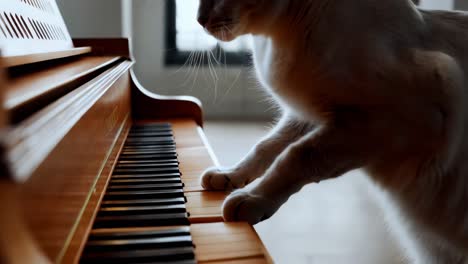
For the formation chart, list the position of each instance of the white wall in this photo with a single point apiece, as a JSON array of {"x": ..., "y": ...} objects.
[
  {"x": 437, "y": 4},
  {"x": 92, "y": 18},
  {"x": 127, "y": 18}
]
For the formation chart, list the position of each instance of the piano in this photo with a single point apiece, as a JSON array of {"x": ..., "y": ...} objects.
[{"x": 94, "y": 168}]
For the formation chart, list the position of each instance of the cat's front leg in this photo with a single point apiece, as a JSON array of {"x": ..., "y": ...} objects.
[
  {"x": 259, "y": 159},
  {"x": 320, "y": 155}
]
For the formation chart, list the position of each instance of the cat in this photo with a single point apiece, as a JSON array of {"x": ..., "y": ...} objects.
[{"x": 372, "y": 84}]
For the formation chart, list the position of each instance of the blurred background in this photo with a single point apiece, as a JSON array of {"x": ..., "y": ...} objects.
[{"x": 338, "y": 221}]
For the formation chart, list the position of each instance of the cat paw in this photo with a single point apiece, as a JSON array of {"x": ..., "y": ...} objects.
[
  {"x": 242, "y": 206},
  {"x": 216, "y": 180}
]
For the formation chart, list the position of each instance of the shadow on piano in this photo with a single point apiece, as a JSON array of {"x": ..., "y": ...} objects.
[{"x": 96, "y": 169}]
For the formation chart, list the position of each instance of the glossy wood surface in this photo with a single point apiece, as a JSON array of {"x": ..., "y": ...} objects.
[
  {"x": 29, "y": 91},
  {"x": 66, "y": 187},
  {"x": 226, "y": 241},
  {"x": 45, "y": 56},
  {"x": 150, "y": 105},
  {"x": 28, "y": 143},
  {"x": 153, "y": 106},
  {"x": 106, "y": 47},
  {"x": 205, "y": 207}
]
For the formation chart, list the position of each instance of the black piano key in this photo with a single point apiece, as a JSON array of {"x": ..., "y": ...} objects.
[
  {"x": 142, "y": 210},
  {"x": 118, "y": 182},
  {"x": 139, "y": 243},
  {"x": 153, "y": 140},
  {"x": 155, "y": 165},
  {"x": 143, "y": 202},
  {"x": 150, "y": 157},
  {"x": 140, "y": 171},
  {"x": 180, "y": 231},
  {"x": 147, "y": 156},
  {"x": 150, "y": 143},
  {"x": 152, "y": 125},
  {"x": 136, "y": 195},
  {"x": 149, "y": 134},
  {"x": 141, "y": 220},
  {"x": 154, "y": 152},
  {"x": 148, "y": 187},
  {"x": 150, "y": 129},
  {"x": 158, "y": 161},
  {"x": 166, "y": 149},
  {"x": 145, "y": 191},
  {"x": 161, "y": 175},
  {"x": 177, "y": 255},
  {"x": 153, "y": 146},
  {"x": 146, "y": 139}
]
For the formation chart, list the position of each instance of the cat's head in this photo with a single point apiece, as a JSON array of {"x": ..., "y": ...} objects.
[{"x": 228, "y": 19}]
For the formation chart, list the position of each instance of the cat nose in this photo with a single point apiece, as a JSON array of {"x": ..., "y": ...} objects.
[{"x": 203, "y": 20}]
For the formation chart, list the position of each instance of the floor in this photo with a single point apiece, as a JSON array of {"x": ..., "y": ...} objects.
[{"x": 333, "y": 222}]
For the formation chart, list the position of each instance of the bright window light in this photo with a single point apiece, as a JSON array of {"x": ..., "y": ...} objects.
[{"x": 191, "y": 36}]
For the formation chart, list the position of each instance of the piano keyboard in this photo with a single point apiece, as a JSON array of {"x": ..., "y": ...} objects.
[
  {"x": 145, "y": 190},
  {"x": 145, "y": 213}
]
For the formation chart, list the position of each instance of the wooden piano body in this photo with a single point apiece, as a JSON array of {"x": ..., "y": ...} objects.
[{"x": 68, "y": 106}]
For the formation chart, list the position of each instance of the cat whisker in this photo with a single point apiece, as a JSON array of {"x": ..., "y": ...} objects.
[
  {"x": 213, "y": 75},
  {"x": 197, "y": 69},
  {"x": 187, "y": 62},
  {"x": 214, "y": 58},
  {"x": 188, "y": 74},
  {"x": 193, "y": 64},
  {"x": 232, "y": 85}
]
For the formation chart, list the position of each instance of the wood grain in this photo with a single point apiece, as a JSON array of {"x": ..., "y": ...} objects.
[
  {"x": 29, "y": 92},
  {"x": 56, "y": 197},
  {"x": 73, "y": 252},
  {"x": 226, "y": 242},
  {"x": 29, "y": 143},
  {"x": 152, "y": 106},
  {"x": 205, "y": 207},
  {"x": 106, "y": 47},
  {"x": 45, "y": 56}
]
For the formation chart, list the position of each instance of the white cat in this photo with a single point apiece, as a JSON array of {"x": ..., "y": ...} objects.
[{"x": 372, "y": 84}]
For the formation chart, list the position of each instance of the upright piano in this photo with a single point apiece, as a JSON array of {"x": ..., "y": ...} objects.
[{"x": 94, "y": 168}]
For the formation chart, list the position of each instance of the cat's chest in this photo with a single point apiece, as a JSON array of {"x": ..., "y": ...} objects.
[
  {"x": 280, "y": 72},
  {"x": 267, "y": 63}
]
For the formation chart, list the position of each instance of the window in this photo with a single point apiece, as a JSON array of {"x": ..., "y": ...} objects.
[{"x": 184, "y": 36}]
